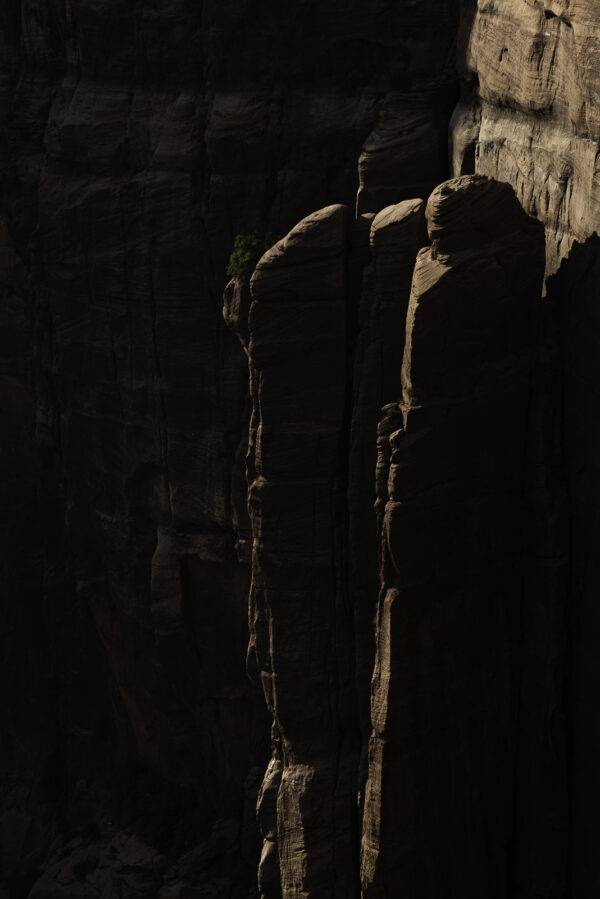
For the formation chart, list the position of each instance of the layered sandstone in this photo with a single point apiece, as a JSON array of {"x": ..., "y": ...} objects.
[
  {"x": 529, "y": 112},
  {"x": 301, "y": 612},
  {"x": 137, "y": 142},
  {"x": 324, "y": 356},
  {"x": 439, "y": 802},
  {"x": 394, "y": 237},
  {"x": 529, "y": 115}
]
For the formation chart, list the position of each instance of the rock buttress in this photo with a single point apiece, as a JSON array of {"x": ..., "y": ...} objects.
[
  {"x": 439, "y": 800},
  {"x": 139, "y": 140},
  {"x": 300, "y": 617}
]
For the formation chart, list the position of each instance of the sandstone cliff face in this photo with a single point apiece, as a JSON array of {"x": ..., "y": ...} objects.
[
  {"x": 529, "y": 113},
  {"x": 300, "y": 613},
  {"x": 311, "y": 491},
  {"x": 471, "y": 508},
  {"x": 138, "y": 140},
  {"x": 159, "y": 470},
  {"x": 445, "y": 685},
  {"x": 396, "y": 234},
  {"x": 575, "y": 289}
]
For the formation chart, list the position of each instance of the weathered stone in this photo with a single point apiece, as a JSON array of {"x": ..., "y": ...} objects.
[
  {"x": 395, "y": 236},
  {"x": 300, "y": 611},
  {"x": 439, "y": 800},
  {"x": 529, "y": 113},
  {"x": 138, "y": 141}
]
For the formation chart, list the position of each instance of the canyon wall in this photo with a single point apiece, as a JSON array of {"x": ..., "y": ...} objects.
[
  {"x": 445, "y": 686},
  {"x": 529, "y": 115},
  {"x": 299, "y": 591},
  {"x": 138, "y": 140}
]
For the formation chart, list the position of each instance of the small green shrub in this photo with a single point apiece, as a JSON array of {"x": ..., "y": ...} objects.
[
  {"x": 247, "y": 250},
  {"x": 244, "y": 254}
]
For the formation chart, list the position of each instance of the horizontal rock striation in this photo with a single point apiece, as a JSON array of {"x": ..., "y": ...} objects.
[{"x": 529, "y": 113}]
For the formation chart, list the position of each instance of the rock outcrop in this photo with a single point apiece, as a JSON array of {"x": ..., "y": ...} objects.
[
  {"x": 529, "y": 113},
  {"x": 439, "y": 802},
  {"x": 395, "y": 236},
  {"x": 160, "y": 468},
  {"x": 138, "y": 140},
  {"x": 301, "y": 612}
]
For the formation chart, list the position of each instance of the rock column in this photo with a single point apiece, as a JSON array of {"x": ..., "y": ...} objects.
[
  {"x": 439, "y": 800},
  {"x": 300, "y": 615}
]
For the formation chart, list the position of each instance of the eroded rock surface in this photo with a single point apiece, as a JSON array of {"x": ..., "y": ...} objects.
[
  {"x": 439, "y": 802},
  {"x": 300, "y": 613},
  {"x": 529, "y": 113},
  {"x": 138, "y": 140},
  {"x": 395, "y": 236}
]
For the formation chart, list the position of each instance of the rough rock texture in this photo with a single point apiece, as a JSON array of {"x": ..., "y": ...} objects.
[
  {"x": 406, "y": 154},
  {"x": 529, "y": 115},
  {"x": 529, "y": 111},
  {"x": 439, "y": 802},
  {"x": 138, "y": 140},
  {"x": 324, "y": 356},
  {"x": 301, "y": 616},
  {"x": 395, "y": 236}
]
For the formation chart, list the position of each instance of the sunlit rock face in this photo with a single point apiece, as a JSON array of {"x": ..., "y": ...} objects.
[{"x": 529, "y": 112}]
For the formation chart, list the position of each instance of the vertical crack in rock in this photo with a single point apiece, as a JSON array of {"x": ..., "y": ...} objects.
[
  {"x": 395, "y": 235},
  {"x": 439, "y": 799}
]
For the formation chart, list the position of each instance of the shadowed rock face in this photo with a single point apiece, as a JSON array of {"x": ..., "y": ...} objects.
[
  {"x": 300, "y": 612},
  {"x": 138, "y": 141},
  {"x": 575, "y": 289},
  {"x": 311, "y": 467},
  {"x": 439, "y": 801},
  {"x": 529, "y": 115},
  {"x": 395, "y": 236}
]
